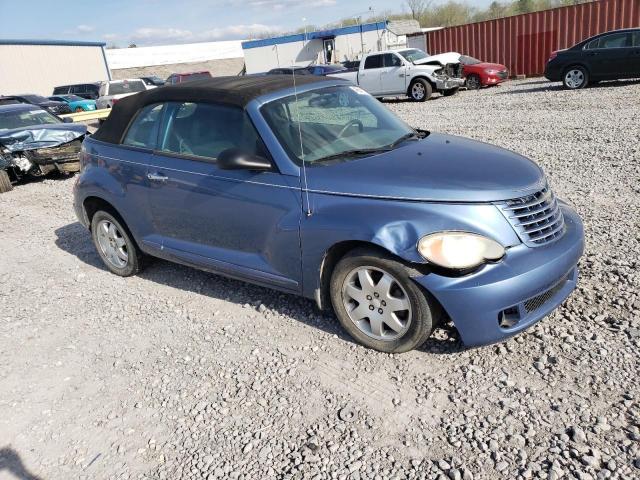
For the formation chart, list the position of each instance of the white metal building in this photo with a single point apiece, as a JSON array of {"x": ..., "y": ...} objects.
[
  {"x": 36, "y": 66},
  {"x": 324, "y": 46},
  {"x": 219, "y": 58}
]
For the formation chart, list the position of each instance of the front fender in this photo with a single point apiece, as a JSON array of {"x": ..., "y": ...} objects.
[{"x": 393, "y": 225}]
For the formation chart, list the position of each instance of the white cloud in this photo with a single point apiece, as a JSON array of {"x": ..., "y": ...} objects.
[
  {"x": 281, "y": 4},
  {"x": 85, "y": 28},
  {"x": 155, "y": 36}
]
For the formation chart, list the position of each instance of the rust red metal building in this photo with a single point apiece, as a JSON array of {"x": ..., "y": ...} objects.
[{"x": 523, "y": 42}]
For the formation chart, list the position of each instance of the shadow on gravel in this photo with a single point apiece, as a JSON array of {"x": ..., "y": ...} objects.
[
  {"x": 11, "y": 462},
  {"x": 557, "y": 87},
  {"x": 76, "y": 240}
]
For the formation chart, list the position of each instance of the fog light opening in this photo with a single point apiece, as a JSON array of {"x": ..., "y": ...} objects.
[{"x": 509, "y": 317}]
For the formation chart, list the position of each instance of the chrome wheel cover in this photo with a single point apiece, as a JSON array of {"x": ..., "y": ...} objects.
[
  {"x": 112, "y": 244},
  {"x": 418, "y": 91},
  {"x": 574, "y": 78},
  {"x": 376, "y": 303}
]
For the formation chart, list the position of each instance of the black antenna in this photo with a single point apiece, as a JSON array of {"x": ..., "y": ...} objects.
[{"x": 304, "y": 168}]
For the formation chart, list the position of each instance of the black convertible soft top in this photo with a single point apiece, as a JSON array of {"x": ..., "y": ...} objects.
[{"x": 236, "y": 91}]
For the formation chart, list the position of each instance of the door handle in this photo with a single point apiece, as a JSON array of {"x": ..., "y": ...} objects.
[
  {"x": 401, "y": 75},
  {"x": 157, "y": 177},
  {"x": 592, "y": 54}
]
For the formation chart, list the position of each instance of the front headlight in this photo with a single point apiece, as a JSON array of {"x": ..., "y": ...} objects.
[{"x": 459, "y": 250}]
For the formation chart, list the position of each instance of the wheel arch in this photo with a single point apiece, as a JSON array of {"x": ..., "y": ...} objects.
[
  {"x": 423, "y": 77},
  {"x": 576, "y": 64},
  {"x": 338, "y": 251},
  {"x": 93, "y": 204}
]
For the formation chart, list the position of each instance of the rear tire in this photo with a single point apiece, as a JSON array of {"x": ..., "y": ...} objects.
[
  {"x": 387, "y": 310},
  {"x": 115, "y": 245},
  {"x": 5, "y": 182},
  {"x": 575, "y": 77},
  {"x": 420, "y": 90}
]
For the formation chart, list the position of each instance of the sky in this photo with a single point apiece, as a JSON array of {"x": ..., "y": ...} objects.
[{"x": 161, "y": 22}]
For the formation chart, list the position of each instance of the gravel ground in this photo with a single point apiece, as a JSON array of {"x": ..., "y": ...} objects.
[{"x": 178, "y": 373}]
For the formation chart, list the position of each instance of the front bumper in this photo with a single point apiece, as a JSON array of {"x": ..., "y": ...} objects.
[
  {"x": 508, "y": 297},
  {"x": 449, "y": 83},
  {"x": 496, "y": 78}
]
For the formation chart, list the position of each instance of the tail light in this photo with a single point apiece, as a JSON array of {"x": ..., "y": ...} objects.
[
  {"x": 552, "y": 56},
  {"x": 114, "y": 101}
]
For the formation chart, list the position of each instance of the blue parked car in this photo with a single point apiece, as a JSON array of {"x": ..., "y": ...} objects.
[
  {"x": 76, "y": 103},
  {"x": 395, "y": 229}
]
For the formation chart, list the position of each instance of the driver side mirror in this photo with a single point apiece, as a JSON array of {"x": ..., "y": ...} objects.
[{"x": 237, "y": 159}]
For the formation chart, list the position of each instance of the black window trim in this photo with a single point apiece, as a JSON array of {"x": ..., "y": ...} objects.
[
  {"x": 184, "y": 156},
  {"x": 600, "y": 37},
  {"x": 381, "y": 61},
  {"x": 131, "y": 122}
]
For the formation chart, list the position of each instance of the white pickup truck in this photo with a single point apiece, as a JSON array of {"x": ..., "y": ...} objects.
[{"x": 408, "y": 72}]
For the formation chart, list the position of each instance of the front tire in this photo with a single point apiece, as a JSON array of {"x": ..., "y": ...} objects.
[
  {"x": 115, "y": 245},
  {"x": 575, "y": 77},
  {"x": 420, "y": 90},
  {"x": 379, "y": 305},
  {"x": 473, "y": 82}
]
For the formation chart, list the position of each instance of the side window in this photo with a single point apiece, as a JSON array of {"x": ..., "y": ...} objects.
[
  {"x": 373, "y": 61},
  {"x": 391, "y": 60},
  {"x": 635, "y": 38},
  {"x": 206, "y": 129},
  {"x": 592, "y": 44},
  {"x": 143, "y": 131},
  {"x": 59, "y": 90},
  {"x": 616, "y": 40}
]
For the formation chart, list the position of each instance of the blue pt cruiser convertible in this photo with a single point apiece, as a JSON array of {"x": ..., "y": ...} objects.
[{"x": 311, "y": 186}]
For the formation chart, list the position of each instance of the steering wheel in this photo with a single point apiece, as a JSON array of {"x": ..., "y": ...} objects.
[{"x": 354, "y": 122}]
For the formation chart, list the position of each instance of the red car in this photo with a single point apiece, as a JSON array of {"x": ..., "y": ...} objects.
[
  {"x": 480, "y": 73},
  {"x": 186, "y": 77}
]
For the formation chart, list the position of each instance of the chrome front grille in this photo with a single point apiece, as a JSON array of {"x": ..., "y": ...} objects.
[{"x": 536, "y": 218}]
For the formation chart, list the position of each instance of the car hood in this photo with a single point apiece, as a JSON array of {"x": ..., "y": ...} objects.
[
  {"x": 40, "y": 136},
  {"x": 442, "y": 58},
  {"x": 439, "y": 168},
  {"x": 50, "y": 103},
  {"x": 488, "y": 66}
]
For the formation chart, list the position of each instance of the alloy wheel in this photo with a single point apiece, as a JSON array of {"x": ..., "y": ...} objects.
[
  {"x": 417, "y": 91},
  {"x": 376, "y": 303},
  {"x": 574, "y": 78},
  {"x": 112, "y": 244}
]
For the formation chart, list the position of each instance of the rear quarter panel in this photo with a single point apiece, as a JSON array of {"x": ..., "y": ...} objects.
[{"x": 118, "y": 176}]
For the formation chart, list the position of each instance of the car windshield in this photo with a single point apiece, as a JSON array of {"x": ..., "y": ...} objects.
[
  {"x": 466, "y": 60},
  {"x": 25, "y": 118},
  {"x": 35, "y": 98},
  {"x": 120, "y": 88},
  {"x": 334, "y": 123},
  {"x": 413, "y": 54}
]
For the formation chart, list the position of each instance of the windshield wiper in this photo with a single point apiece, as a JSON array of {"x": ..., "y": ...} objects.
[
  {"x": 417, "y": 135},
  {"x": 353, "y": 153}
]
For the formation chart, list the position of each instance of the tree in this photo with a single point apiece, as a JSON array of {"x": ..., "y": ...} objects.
[{"x": 417, "y": 7}]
